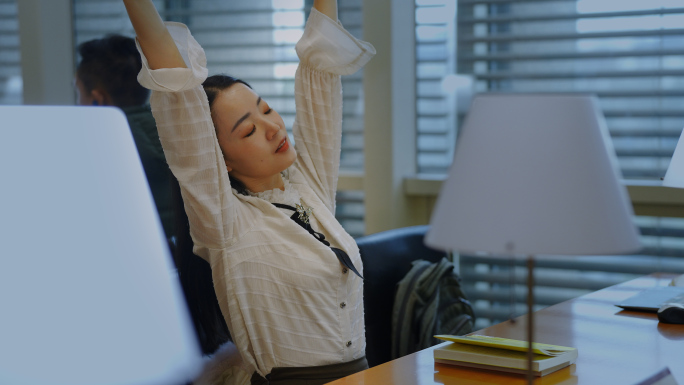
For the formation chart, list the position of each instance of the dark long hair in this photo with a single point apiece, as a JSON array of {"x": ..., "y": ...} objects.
[{"x": 194, "y": 272}]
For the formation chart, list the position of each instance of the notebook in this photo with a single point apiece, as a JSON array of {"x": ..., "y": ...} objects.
[{"x": 650, "y": 300}]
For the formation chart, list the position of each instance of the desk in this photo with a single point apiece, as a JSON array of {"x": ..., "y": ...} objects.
[{"x": 614, "y": 346}]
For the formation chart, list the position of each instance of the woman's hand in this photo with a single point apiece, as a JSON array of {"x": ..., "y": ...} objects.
[
  {"x": 155, "y": 40},
  {"x": 327, "y": 7}
]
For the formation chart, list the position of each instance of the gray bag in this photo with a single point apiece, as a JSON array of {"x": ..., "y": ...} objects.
[{"x": 429, "y": 301}]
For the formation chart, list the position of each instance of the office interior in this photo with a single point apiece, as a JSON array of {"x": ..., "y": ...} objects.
[{"x": 402, "y": 113}]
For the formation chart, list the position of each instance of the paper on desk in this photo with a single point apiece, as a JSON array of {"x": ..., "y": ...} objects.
[{"x": 509, "y": 344}]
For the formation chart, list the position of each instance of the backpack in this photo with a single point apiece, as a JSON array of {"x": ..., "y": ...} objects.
[{"x": 429, "y": 301}]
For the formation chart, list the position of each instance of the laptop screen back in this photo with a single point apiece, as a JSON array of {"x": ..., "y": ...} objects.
[{"x": 88, "y": 290}]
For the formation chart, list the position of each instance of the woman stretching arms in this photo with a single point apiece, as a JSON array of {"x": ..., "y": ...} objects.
[{"x": 289, "y": 290}]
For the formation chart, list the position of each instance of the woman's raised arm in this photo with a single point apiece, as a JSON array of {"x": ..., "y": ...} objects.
[
  {"x": 327, "y": 7},
  {"x": 155, "y": 40}
]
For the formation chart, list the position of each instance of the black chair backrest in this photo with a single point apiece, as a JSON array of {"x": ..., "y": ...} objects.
[{"x": 387, "y": 258}]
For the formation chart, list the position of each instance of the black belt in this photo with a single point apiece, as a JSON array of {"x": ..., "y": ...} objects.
[
  {"x": 310, "y": 375},
  {"x": 301, "y": 217}
]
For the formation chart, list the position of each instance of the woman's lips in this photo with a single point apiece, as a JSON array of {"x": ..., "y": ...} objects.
[{"x": 284, "y": 145}]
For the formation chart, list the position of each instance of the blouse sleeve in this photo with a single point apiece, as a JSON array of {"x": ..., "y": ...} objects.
[
  {"x": 326, "y": 51},
  {"x": 187, "y": 134}
]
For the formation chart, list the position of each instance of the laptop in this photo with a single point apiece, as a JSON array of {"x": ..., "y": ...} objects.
[
  {"x": 650, "y": 300},
  {"x": 87, "y": 285}
]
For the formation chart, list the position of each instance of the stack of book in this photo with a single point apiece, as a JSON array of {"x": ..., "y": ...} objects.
[{"x": 503, "y": 354}]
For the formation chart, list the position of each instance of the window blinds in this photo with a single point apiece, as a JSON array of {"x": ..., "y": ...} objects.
[
  {"x": 435, "y": 66},
  {"x": 10, "y": 63},
  {"x": 631, "y": 55}
]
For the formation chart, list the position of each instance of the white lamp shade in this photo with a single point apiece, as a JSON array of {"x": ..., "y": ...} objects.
[
  {"x": 533, "y": 174},
  {"x": 674, "y": 177},
  {"x": 88, "y": 293}
]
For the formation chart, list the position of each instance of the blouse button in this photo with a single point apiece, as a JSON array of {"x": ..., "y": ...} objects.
[
  {"x": 343, "y": 305},
  {"x": 348, "y": 343},
  {"x": 345, "y": 270}
]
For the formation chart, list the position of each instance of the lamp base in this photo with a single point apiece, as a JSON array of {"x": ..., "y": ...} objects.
[{"x": 530, "y": 317}]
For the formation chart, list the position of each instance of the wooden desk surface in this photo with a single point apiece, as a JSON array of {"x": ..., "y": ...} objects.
[{"x": 614, "y": 346}]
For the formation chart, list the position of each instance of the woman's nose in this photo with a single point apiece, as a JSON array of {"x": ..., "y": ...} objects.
[{"x": 272, "y": 129}]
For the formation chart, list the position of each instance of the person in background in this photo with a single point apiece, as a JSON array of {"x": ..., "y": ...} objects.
[{"x": 107, "y": 76}]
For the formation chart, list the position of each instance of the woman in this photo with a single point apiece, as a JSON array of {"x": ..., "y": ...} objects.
[{"x": 294, "y": 310}]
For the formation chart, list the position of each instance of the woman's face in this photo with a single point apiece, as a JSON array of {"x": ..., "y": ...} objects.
[{"x": 252, "y": 136}]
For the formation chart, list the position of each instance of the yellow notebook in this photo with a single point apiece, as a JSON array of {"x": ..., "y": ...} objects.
[{"x": 503, "y": 354}]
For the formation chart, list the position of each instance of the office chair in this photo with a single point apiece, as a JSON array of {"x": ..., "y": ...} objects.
[{"x": 387, "y": 258}]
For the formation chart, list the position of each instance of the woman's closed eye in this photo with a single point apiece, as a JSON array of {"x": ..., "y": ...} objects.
[
  {"x": 268, "y": 111},
  {"x": 251, "y": 132}
]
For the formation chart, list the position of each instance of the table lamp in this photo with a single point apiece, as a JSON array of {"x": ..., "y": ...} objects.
[
  {"x": 88, "y": 292},
  {"x": 533, "y": 174},
  {"x": 674, "y": 176}
]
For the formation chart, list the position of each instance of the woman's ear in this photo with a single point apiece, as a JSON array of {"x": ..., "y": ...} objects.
[{"x": 225, "y": 160}]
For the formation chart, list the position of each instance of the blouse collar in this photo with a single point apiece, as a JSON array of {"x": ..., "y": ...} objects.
[{"x": 289, "y": 195}]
